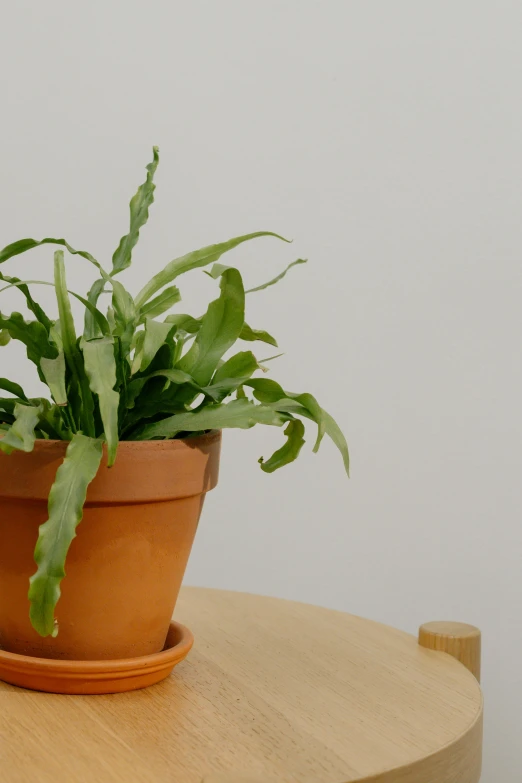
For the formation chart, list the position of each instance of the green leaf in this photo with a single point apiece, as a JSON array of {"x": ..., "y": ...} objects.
[
  {"x": 184, "y": 323},
  {"x": 271, "y": 393},
  {"x": 335, "y": 433},
  {"x": 232, "y": 374},
  {"x": 100, "y": 366},
  {"x": 268, "y": 391},
  {"x": 278, "y": 278},
  {"x": 91, "y": 327},
  {"x": 95, "y": 313},
  {"x": 139, "y": 214},
  {"x": 66, "y": 501},
  {"x": 12, "y": 388},
  {"x": 154, "y": 336},
  {"x": 161, "y": 303},
  {"x": 239, "y": 413},
  {"x": 54, "y": 374},
  {"x": 220, "y": 329},
  {"x": 15, "y": 248},
  {"x": 85, "y": 412},
  {"x": 21, "y": 434},
  {"x": 33, "y": 306},
  {"x": 178, "y": 377},
  {"x": 125, "y": 315},
  {"x": 32, "y": 334},
  {"x": 196, "y": 259},
  {"x": 250, "y": 335},
  {"x": 5, "y": 337},
  {"x": 289, "y": 451}
]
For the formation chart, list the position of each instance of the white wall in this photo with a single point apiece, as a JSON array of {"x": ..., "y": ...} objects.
[{"x": 386, "y": 138}]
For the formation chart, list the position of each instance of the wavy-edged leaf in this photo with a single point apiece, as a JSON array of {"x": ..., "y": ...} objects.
[
  {"x": 54, "y": 374},
  {"x": 240, "y": 413},
  {"x": 32, "y": 334},
  {"x": 66, "y": 501},
  {"x": 232, "y": 374},
  {"x": 161, "y": 303},
  {"x": 251, "y": 335},
  {"x": 100, "y": 366},
  {"x": 196, "y": 259},
  {"x": 21, "y": 434},
  {"x": 289, "y": 451},
  {"x": 139, "y": 214},
  {"x": 33, "y": 306},
  {"x": 267, "y": 390},
  {"x": 85, "y": 411},
  {"x": 278, "y": 277},
  {"x": 22, "y": 245},
  {"x": 12, "y": 388},
  {"x": 220, "y": 328},
  {"x": 271, "y": 393}
]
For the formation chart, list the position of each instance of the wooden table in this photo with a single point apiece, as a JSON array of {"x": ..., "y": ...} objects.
[{"x": 272, "y": 691}]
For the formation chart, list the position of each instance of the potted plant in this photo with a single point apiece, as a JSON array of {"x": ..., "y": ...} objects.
[{"x": 129, "y": 440}]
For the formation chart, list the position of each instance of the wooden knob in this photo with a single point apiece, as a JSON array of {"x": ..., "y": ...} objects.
[{"x": 458, "y": 639}]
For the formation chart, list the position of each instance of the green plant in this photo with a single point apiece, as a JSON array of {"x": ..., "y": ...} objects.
[{"x": 136, "y": 374}]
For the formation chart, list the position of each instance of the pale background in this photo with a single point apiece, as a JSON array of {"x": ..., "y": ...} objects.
[{"x": 386, "y": 139}]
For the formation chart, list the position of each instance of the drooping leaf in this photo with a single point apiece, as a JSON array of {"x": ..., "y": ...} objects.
[
  {"x": 160, "y": 304},
  {"x": 268, "y": 391},
  {"x": 278, "y": 278},
  {"x": 239, "y": 413},
  {"x": 21, "y": 433},
  {"x": 54, "y": 374},
  {"x": 100, "y": 366},
  {"x": 22, "y": 245},
  {"x": 12, "y": 388},
  {"x": 271, "y": 393},
  {"x": 232, "y": 374},
  {"x": 139, "y": 214},
  {"x": 94, "y": 312},
  {"x": 97, "y": 316},
  {"x": 250, "y": 335},
  {"x": 196, "y": 259},
  {"x": 32, "y": 334},
  {"x": 66, "y": 501},
  {"x": 289, "y": 451},
  {"x": 220, "y": 329},
  {"x": 85, "y": 412},
  {"x": 33, "y": 306}
]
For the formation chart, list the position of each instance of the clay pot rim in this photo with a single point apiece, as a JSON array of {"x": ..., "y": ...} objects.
[
  {"x": 172, "y": 444},
  {"x": 179, "y": 643}
]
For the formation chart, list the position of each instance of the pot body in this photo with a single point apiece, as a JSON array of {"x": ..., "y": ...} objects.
[{"x": 125, "y": 567}]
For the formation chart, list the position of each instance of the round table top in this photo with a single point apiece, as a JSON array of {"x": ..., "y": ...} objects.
[{"x": 273, "y": 691}]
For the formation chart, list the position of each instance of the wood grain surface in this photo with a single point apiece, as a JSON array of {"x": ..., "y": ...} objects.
[{"x": 273, "y": 691}]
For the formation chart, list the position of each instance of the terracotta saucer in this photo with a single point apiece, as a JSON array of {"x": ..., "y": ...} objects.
[{"x": 93, "y": 677}]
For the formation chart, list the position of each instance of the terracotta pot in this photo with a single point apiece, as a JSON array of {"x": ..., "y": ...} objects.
[{"x": 125, "y": 567}]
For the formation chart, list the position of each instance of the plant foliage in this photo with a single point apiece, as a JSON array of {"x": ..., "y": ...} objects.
[{"x": 137, "y": 373}]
